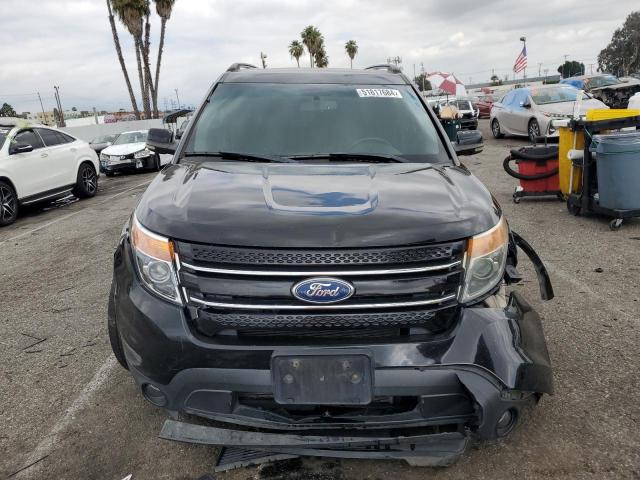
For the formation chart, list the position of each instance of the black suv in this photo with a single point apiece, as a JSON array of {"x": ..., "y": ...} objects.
[{"x": 317, "y": 273}]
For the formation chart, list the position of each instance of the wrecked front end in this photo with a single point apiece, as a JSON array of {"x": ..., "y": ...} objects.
[
  {"x": 618, "y": 95},
  {"x": 413, "y": 382}
]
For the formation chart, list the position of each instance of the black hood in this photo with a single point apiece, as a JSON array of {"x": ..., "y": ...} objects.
[{"x": 328, "y": 205}]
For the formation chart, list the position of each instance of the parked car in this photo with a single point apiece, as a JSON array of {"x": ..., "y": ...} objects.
[
  {"x": 129, "y": 153},
  {"x": 529, "y": 111},
  {"x": 103, "y": 141},
  {"x": 468, "y": 112},
  {"x": 41, "y": 163},
  {"x": 634, "y": 102},
  {"x": 484, "y": 104},
  {"x": 316, "y": 261},
  {"x": 611, "y": 90}
]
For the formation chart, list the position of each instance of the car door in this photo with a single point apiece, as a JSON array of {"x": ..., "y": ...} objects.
[
  {"x": 28, "y": 169},
  {"x": 521, "y": 114},
  {"x": 502, "y": 112},
  {"x": 62, "y": 155}
]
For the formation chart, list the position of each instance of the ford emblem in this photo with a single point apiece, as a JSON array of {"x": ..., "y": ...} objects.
[{"x": 322, "y": 290}]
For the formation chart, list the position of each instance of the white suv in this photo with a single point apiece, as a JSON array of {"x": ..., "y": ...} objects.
[{"x": 41, "y": 163}]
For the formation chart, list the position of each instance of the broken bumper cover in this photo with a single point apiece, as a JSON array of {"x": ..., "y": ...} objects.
[{"x": 461, "y": 382}]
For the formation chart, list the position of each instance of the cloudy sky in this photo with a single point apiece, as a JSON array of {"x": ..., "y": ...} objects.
[{"x": 69, "y": 42}]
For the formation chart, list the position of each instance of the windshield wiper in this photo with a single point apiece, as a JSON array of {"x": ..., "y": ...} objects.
[
  {"x": 365, "y": 157},
  {"x": 247, "y": 157}
]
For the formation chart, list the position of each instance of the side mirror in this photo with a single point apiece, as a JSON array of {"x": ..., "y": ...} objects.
[
  {"x": 468, "y": 142},
  {"x": 21, "y": 148},
  {"x": 525, "y": 104},
  {"x": 160, "y": 140}
]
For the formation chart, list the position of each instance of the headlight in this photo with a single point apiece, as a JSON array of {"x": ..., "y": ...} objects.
[
  {"x": 485, "y": 261},
  {"x": 104, "y": 156},
  {"x": 142, "y": 153},
  {"x": 154, "y": 257}
]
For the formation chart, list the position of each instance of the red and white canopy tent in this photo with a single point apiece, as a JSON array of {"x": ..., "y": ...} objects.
[{"x": 447, "y": 83}]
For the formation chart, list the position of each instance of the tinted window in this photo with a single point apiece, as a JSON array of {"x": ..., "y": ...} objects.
[
  {"x": 29, "y": 137},
  {"x": 51, "y": 137},
  {"x": 294, "y": 119},
  {"x": 67, "y": 138}
]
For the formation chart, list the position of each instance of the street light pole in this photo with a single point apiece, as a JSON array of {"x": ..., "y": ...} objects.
[{"x": 177, "y": 97}]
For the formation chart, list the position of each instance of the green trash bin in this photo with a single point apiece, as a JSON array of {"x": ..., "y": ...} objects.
[
  {"x": 451, "y": 127},
  {"x": 618, "y": 160}
]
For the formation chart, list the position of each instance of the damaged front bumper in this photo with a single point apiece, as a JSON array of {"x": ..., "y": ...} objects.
[{"x": 430, "y": 395}]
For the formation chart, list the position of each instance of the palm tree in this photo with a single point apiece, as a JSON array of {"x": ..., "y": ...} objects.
[
  {"x": 116, "y": 41},
  {"x": 131, "y": 14},
  {"x": 311, "y": 38},
  {"x": 351, "y": 47},
  {"x": 320, "y": 58},
  {"x": 163, "y": 9},
  {"x": 296, "y": 50}
]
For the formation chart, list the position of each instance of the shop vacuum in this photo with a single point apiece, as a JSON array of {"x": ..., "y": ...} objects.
[{"x": 537, "y": 171}]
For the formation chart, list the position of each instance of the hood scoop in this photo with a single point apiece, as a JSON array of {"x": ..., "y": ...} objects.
[{"x": 320, "y": 190}]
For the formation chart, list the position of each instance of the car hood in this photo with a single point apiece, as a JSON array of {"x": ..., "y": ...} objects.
[
  {"x": 336, "y": 205},
  {"x": 566, "y": 108},
  {"x": 124, "y": 149}
]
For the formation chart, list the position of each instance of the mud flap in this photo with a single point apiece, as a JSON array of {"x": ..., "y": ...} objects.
[{"x": 546, "y": 289}]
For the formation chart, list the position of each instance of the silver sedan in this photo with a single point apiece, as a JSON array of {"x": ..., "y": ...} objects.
[{"x": 528, "y": 111}]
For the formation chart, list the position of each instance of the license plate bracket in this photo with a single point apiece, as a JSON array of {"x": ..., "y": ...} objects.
[{"x": 322, "y": 377}]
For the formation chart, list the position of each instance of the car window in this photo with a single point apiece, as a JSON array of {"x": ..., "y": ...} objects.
[
  {"x": 131, "y": 137},
  {"x": 28, "y": 137},
  {"x": 51, "y": 137},
  {"x": 544, "y": 96},
  {"x": 307, "y": 119},
  {"x": 3, "y": 135},
  {"x": 67, "y": 138}
]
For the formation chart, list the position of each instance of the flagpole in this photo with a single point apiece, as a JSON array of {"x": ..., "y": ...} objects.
[{"x": 524, "y": 41}]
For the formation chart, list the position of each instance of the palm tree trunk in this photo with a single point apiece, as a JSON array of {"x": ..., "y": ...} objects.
[
  {"x": 147, "y": 66},
  {"x": 163, "y": 24},
  {"x": 116, "y": 41},
  {"x": 351, "y": 60},
  {"x": 143, "y": 87},
  {"x": 298, "y": 61}
]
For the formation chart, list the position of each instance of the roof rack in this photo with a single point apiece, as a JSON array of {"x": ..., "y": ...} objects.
[
  {"x": 235, "y": 67},
  {"x": 385, "y": 66}
]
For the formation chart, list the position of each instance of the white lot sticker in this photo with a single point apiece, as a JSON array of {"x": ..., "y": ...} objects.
[{"x": 379, "y": 92}]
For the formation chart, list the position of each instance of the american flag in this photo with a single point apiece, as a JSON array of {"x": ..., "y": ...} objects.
[{"x": 521, "y": 61}]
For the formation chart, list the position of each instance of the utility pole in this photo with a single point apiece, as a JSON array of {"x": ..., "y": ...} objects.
[
  {"x": 591, "y": 68},
  {"x": 423, "y": 75},
  {"x": 565, "y": 61},
  {"x": 539, "y": 70},
  {"x": 60, "y": 121},
  {"x": 546, "y": 71},
  {"x": 395, "y": 60},
  {"x": 42, "y": 107},
  {"x": 263, "y": 57},
  {"x": 177, "y": 97},
  {"x": 414, "y": 72}
]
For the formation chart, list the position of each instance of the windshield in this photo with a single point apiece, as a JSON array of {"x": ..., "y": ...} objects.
[
  {"x": 603, "y": 81},
  {"x": 3, "y": 135},
  {"x": 131, "y": 137},
  {"x": 294, "y": 119},
  {"x": 545, "y": 96},
  {"x": 104, "y": 139}
]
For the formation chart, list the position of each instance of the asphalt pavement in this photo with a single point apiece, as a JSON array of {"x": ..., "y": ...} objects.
[{"x": 68, "y": 411}]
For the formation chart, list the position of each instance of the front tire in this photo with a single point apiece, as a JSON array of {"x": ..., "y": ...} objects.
[
  {"x": 114, "y": 336},
  {"x": 8, "y": 204},
  {"x": 87, "y": 182},
  {"x": 495, "y": 129},
  {"x": 533, "y": 130}
]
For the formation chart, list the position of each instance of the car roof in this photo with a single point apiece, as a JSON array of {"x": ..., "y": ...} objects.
[{"x": 343, "y": 76}]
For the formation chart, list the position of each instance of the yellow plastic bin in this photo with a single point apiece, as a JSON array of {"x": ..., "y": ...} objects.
[{"x": 568, "y": 140}]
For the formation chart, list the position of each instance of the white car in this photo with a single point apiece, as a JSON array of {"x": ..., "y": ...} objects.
[
  {"x": 41, "y": 163},
  {"x": 634, "y": 102},
  {"x": 129, "y": 152}
]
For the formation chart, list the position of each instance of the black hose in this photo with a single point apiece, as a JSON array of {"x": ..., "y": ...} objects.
[{"x": 520, "y": 176}]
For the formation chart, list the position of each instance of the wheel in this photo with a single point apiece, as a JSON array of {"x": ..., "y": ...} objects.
[
  {"x": 155, "y": 164},
  {"x": 615, "y": 224},
  {"x": 87, "y": 182},
  {"x": 8, "y": 204},
  {"x": 534, "y": 130},
  {"x": 516, "y": 199},
  {"x": 573, "y": 208},
  {"x": 495, "y": 129},
  {"x": 114, "y": 336}
]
